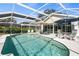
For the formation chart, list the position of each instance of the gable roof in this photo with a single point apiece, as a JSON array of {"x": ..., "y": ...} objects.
[{"x": 60, "y": 16}]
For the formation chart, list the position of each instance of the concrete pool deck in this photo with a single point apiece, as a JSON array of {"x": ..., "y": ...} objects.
[
  {"x": 2, "y": 40},
  {"x": 72, "y": 45}
]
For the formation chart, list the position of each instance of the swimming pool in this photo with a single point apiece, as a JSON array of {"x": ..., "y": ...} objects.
[{"x": 33, "y": 45}]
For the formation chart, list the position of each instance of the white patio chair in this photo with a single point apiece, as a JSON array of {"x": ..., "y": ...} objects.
[
  {"x": 28, "y": 31},
  {"x": 32, "y": 31}
]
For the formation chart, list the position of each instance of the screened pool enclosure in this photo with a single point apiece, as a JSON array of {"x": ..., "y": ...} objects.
[
  {"x": 28, "y": 23},
  {"x": 38, "y": 17}
]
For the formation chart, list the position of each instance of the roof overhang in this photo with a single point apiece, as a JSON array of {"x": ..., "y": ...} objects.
[
  {"x": 16, "y": 14},
  {"x": 61, "y": 16}
]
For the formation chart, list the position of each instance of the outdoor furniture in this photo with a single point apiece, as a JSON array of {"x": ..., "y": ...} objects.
[
  {"x": 45, "y": 33},
  {"x": 32, "y": 31},
  {"x": 28, "y": 31}
]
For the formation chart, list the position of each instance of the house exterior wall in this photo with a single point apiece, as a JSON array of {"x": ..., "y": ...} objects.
[{"x": 52, "y": 19}]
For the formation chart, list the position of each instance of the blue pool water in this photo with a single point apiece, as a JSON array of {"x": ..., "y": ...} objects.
[{"x": 33, "y": 45}]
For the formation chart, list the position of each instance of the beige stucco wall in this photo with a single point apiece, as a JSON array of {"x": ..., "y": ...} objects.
[{"x": 53, "y": 19}]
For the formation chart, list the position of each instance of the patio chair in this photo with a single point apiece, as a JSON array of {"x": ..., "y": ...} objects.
[
  {"x": 76, "y": 37},
  {"x": 73, "y": 35},
  {"x": 32, "y": 31},
  {"x": 28, "y": 31}
]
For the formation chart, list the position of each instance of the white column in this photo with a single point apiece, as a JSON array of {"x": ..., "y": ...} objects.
[
  {"x": 42, "y": 28},
  {"x": 53, "y": 28}
]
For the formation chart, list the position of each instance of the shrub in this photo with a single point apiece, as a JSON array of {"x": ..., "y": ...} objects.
[{"x": 13, "y": 29}]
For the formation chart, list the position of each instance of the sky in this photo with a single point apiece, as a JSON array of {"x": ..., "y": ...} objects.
[{"x": 7, "y": 7}]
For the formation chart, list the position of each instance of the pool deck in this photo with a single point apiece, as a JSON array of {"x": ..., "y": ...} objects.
[
  {"x": 2, "y": 40},
  {"x": 72, "y": 45}
]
